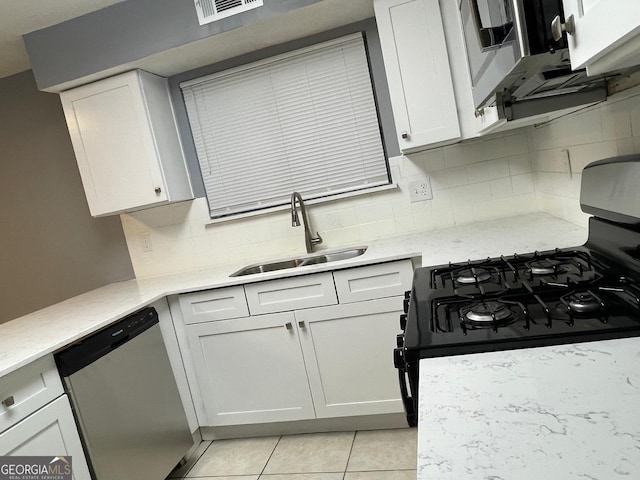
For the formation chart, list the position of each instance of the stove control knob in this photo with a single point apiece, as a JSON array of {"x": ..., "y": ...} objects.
[
  {"x": 400, "y": 340},
  {"x": 407, "y": 294},
  {"x": 405, "y": 305},
  {"x": 403, "y": 322},
  {"x": 398, "y": 359}
]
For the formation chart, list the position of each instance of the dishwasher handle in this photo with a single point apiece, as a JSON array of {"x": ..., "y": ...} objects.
[{"x": 95, "y": 346}]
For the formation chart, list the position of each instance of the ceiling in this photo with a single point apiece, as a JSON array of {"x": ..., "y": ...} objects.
[{"x": 19, "y": 17}]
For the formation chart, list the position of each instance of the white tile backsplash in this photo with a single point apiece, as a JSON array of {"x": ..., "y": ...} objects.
[
  {"x": 520, "y": 172},
  {"x": 499, "y": 168},
  {"x": 478, "y": 172},
  {"x": 523, "y": 183},
  {"x": 598, "y": 132},
  {"x": 456, "y": 177},
  {"x": 582, "y": 155}
]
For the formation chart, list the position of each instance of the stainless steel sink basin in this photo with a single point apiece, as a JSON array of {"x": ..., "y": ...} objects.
[
  {"x": 315, "y": 259},
  {"x": 334, "y": 256}
]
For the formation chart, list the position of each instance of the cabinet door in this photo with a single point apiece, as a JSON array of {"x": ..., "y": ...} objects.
[
  {"x": 418, "y": 71},
  {"x": 251, "y": 370},
  {"x": 607, "y": 35},
  {"x": 51, "y": 431},
  {"x": 114, "y": 145},
  {"x": 348, "y": 350}
]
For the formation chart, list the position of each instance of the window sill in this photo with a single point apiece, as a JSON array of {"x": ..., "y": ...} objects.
[{"x": 281, "y": 208}]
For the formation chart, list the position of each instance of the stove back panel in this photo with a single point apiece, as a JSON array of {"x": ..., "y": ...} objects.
[{"x": 610, "y": 187}]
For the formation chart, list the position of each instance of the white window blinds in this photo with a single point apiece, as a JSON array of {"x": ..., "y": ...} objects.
[{"x": 305, "y": 122}]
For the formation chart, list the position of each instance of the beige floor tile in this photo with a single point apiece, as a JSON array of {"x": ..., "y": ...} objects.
[
  {"x": 384, "y": 450},
  {"x": 246, "y": 456},
  {"x": 311, "y": 453},
  {"x": 303, "y": 476},
  {"x": 382, "y": 475}
]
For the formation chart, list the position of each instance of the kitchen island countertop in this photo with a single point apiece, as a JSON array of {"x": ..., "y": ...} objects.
[
  {"x": 565, "y": 412},
  {"x": 32, "y": 336}
]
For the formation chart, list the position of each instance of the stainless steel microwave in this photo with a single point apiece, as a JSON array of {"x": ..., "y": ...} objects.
[{"x": 513, "y": 57}]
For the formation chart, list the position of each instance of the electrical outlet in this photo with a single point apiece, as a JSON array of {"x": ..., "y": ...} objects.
[
  {"x": 420, "y": 190},
  {"x": 145, "y": 242}
]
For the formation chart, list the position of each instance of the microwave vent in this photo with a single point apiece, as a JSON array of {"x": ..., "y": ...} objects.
[{"x": 212, "y": 10}]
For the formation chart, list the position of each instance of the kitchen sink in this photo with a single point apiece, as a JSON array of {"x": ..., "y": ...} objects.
[
  {"x": 315, "y": 259},
  {"x": 334, "y": 256}
]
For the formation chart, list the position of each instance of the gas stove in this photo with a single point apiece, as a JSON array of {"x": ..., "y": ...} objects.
[
  {"x": 569, "y": 295},
  {"x": 543, "y": 298}
]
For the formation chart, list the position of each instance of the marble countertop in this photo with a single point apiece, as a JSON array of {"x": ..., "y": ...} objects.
[
  {"x": 30, "y": 337},
  {"x": 566, "y": 412}
]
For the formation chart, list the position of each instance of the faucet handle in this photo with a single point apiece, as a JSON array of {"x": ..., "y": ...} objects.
[{"x": 316, "y": 240}]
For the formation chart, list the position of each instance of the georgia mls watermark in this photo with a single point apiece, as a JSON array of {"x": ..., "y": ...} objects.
[{"x": 35, "y": 468}]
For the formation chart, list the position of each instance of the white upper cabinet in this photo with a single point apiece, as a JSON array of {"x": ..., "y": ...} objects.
[
  {"x": 126, "y": 142},
  {"x": 607, "y": 34},
  {"x": 418, "y": 72}
]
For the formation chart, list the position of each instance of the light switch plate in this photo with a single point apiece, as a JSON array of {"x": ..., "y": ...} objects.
[
  {"x": 420, "y": 190},
  {"x": 145, "y": 242}
]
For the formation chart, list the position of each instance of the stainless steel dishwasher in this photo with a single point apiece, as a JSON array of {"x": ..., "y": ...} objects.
[{"x": 125, "y": 400}]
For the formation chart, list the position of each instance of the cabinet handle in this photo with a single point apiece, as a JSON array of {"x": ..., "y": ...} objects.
[
  {"x": 404, "y": 135},
  {"x": 288, "y": 326},
  {"x": 301, "y": 324},
  {"x": 557, "y": 27},
  {"x": 158, "y": 190},
  {"x": 7, "y": 402}
]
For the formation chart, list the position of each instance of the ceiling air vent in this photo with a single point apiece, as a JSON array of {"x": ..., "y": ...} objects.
[{"x": 212, "y": 10}]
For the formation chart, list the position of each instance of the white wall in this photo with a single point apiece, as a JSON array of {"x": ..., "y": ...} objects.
[
  {"x": 504, "y": 175},
  {"x": 50, "y": 247}
]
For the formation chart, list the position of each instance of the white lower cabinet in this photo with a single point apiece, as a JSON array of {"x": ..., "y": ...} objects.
[
  {"x": 329, "y": 356},
  {"x": 251, "y": 370},
  {"x": 348, "y": 353},
  {"x": 50, "y": 431}
]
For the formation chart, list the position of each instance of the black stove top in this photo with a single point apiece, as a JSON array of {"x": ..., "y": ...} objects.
[{"x": 542, "y": 298}]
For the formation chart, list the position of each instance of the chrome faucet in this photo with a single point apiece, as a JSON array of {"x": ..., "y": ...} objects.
[{"x": 309, "y": 241}]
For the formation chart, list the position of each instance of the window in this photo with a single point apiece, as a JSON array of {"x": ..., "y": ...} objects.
[{"x": 304, "y": 121}]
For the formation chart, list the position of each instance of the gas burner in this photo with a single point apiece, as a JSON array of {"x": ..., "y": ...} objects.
[
  {"x": 471, "y": 275},
  {"x": 583, "y": 303},
  {"x": 545, "y": 266},
  {"x": 486, "y": 313}
]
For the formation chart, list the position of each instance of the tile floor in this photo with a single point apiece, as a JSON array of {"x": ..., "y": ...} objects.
[{"x": 362, "y": 455}]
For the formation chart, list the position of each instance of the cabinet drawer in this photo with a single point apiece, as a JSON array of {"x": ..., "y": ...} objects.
[
  {"x": 211, "y": 305},
  {"x": 291, "y": 293},
  {"x": 26, "y": 390},
  {"x": 373, "y": 281}
]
